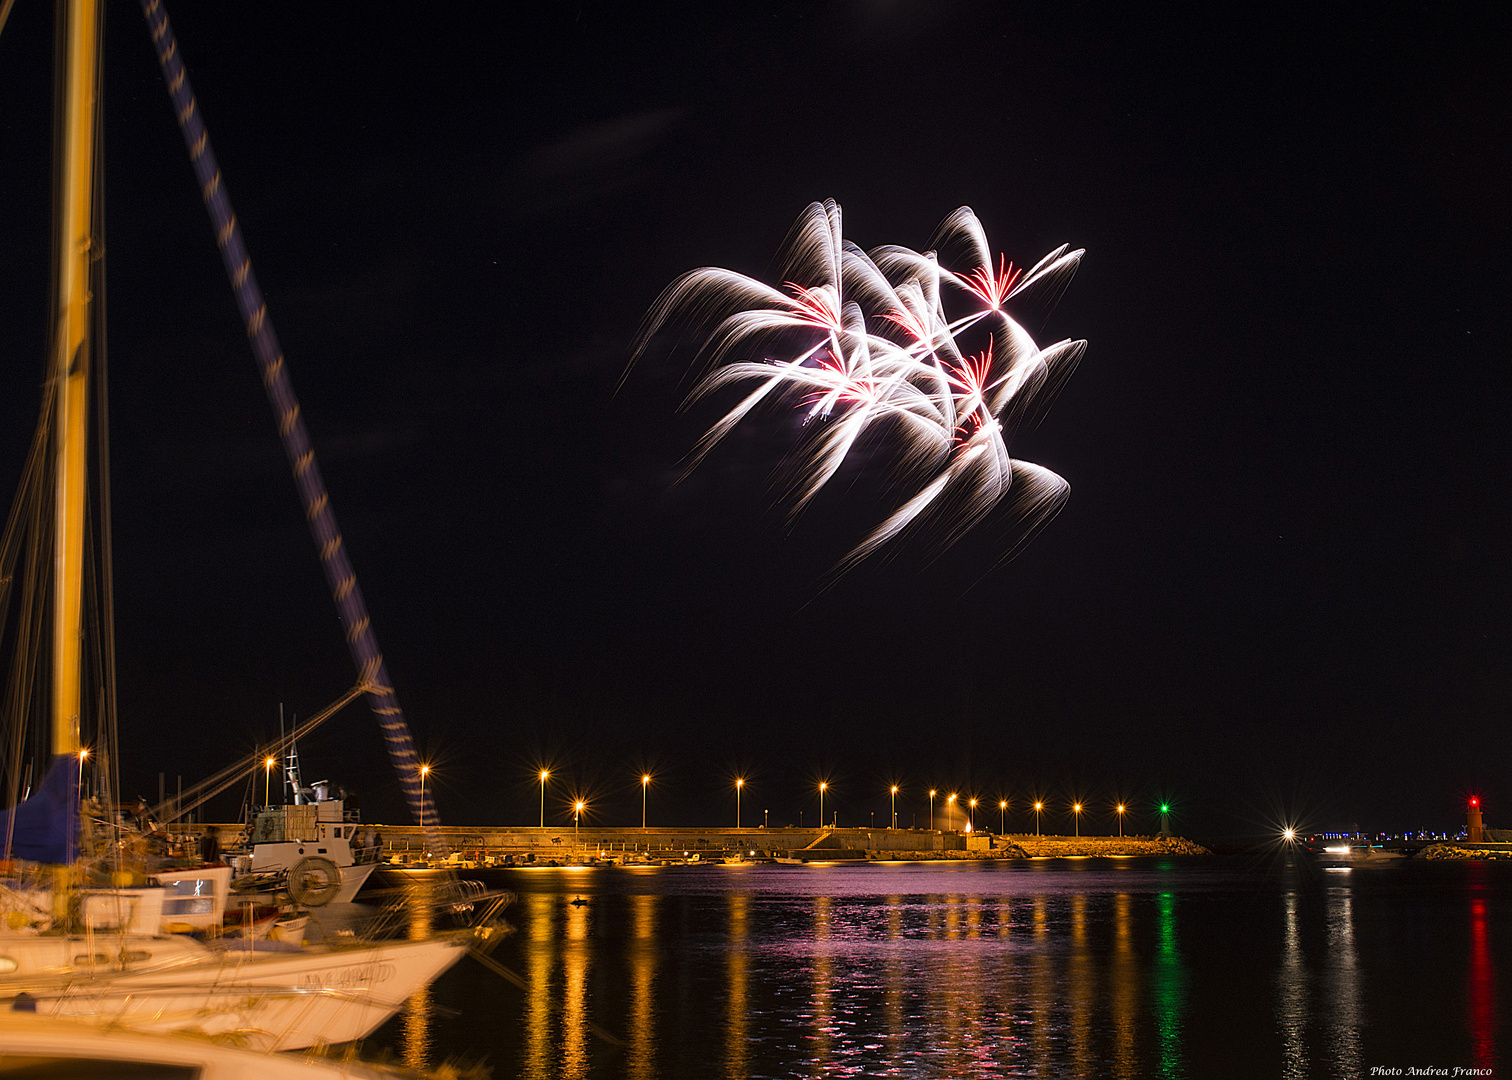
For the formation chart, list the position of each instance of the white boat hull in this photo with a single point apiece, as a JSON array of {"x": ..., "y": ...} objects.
[{"x": 263, "y": 1000}]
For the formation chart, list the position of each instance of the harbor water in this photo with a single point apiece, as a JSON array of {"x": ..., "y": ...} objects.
[{"x": 1243, "y": 966}]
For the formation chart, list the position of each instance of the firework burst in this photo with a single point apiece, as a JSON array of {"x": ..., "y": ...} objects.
[{"x": 864, "y": 341}]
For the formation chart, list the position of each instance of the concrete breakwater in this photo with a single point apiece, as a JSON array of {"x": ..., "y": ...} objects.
[{"x": 555, "y": 841}]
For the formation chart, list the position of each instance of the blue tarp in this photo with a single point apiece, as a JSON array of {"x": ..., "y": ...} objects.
[{"x": 45, "y": 827}]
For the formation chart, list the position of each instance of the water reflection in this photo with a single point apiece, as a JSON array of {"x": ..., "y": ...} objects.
[
  {"x": 415, "y": 1028},
  {"x": 1042, "y": 989},
  {"x": 1051, "y": 973},
  {"x": 736, "y": 1024},
  {"x": 1083, "y": 979},
  {"x": 1292, "y": 995},
  {"x": 643, "y": 953},
  {"x": 540, "y": 958},
  {"x": 576, "y": 959},
  {"x": 1343, "y": 984},
  {"x": 1124, "y": 987},
  {"x": 1169, "y": 986},
  {"x": 893, "y": 981},
  {"x": 823, "y": 972},
  {"x": 1482, "y": 1010}
]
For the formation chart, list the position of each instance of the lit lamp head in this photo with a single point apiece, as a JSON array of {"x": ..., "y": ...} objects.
[
  {"x": 545, "y": 774},
  {"x": 740, "y": 783},
  {"x": 1002, "y": 804},
  {"x": 951, "y": 799},
  {"x": 578, "y": 806},
  {"x": 973, "y": 804},
  {"x": 645, "y": 780},
  {"x": 83, "y": 753},
  {"x": 1039, "y": 806},
  {"x": 823, "y": 785},
  {"x": 1288, "y": 834},
  {"x": 1076, "y": 807},
  {"x": 895, "y": 789},
  {"x": 933, "y": 793},
  {"x": 1120, "y": 808}
]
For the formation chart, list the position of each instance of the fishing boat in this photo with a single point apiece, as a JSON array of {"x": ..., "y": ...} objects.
[
  {"x": 83, "y": 924},
  {"x": 315, "y": 849}
]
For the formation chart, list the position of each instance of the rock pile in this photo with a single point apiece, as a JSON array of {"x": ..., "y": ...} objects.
[{"x": 1453, "y": 851}]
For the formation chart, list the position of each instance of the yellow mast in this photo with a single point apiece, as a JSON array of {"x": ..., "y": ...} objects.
[{"x": 70, "y": 358}]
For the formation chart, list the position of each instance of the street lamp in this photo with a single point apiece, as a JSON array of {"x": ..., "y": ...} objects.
[
  {"x": 645, "y": 783},
  {"x": 973, "y": 816},
  {"x": 950, "y": 804},
  {"x": 1038, "y": 806},
  {"x": 1076, "y": 809},
  {"x": 83, "y": 753},
  {"x": 267, "y": 780},
  {"x": 545, "y": 775},
  {"x": 1002, "y": 814},
  {"x": 424, "y": 772},
  {"x": 895, "y": 806},
  {"x": 577, "y": 813},
  {"x": 932, "y": 794},
  {"x": 739, "y": 784},
  {"x": 1120, "y": 818},
  {"x": 823, "y": 787}
]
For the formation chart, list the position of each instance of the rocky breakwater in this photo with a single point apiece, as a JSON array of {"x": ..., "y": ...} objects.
[
  {"x": 1454, "y": 851},
  {"x": 1050, "y": 847}
]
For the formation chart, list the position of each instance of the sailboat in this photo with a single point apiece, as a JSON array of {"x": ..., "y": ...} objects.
[{"x": 85, "y": 941}]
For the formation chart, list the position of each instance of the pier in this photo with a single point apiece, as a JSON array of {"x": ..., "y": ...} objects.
[{"x": 555, "y": 842}]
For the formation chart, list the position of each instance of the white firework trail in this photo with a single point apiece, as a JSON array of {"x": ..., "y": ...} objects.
[{"x": 860, "y": 340}]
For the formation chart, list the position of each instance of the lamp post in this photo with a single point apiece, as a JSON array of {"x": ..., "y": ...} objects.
[
  {"x": 932, "y": 794},
  {"x": 1076, "y": 810},
  {"x": 645, "y": 783},
  {"x": 1120, "y": 819},
  {"x": 972, "y": 827},
  {"x": 739, "y": 784},
  {"x": 823, "y": 787},
  {"x": 267, "y": 780},
  {"x": 577, "y": 813},
  {"x": 545, "y": 775},
  {"x": 424, "y": 772},
  {"x": 895, "y": 806},
  {"x": 83, "y": 754},
  {"x": 1038, "y": 806},
  {"x": 950, "y": 807},
  {"x": 1002, "y": 816}
]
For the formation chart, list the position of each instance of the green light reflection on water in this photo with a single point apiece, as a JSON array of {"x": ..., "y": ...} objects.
[{"x": 1169, "y": 984}]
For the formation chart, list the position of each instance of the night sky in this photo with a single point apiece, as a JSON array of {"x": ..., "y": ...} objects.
[{"x": 1278, "y": 587}]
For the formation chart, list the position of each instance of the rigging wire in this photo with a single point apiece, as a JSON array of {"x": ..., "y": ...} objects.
[{"x": 212, "y": 786}]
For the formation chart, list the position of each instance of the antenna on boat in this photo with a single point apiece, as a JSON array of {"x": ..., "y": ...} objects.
[{"x": 340, "y": 576}]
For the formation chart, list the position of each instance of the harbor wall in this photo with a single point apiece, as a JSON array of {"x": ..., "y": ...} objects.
[{"x": 473, "y": 841}]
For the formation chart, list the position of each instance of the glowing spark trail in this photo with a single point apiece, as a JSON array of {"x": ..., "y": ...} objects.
[{"x": 862, "y": 341}]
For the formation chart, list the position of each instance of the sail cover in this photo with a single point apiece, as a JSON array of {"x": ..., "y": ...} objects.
[{"x": 45, "y": 827}]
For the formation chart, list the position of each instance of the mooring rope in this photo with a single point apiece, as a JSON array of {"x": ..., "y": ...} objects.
[{"x": 361, "y": 640}]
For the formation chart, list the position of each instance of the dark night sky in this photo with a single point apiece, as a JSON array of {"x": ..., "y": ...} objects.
[{"x": 1279, "y": 580}]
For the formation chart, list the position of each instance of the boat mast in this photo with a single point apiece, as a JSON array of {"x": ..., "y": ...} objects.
[{"x": 69, "y": 371}]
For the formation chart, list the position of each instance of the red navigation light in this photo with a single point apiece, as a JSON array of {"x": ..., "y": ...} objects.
[{"x": 1474, "y": 801}]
